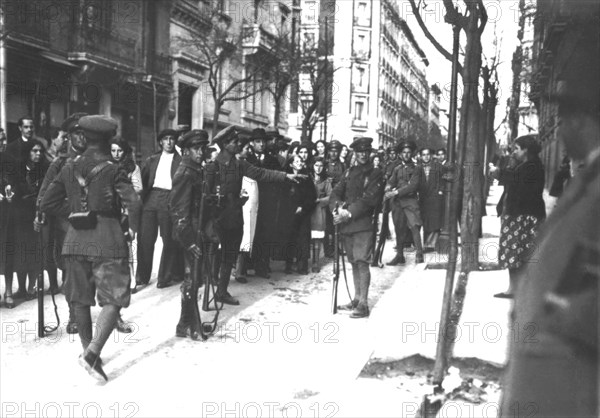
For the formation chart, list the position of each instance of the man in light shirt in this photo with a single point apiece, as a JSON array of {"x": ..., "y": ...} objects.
[{"x": 157, "y": 175}]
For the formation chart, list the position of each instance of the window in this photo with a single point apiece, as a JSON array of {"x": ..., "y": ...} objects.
[
  {"x": 358, "y": 110},
  {"x": 361, "y": 77},
  {"x": 309, "y": 12}
]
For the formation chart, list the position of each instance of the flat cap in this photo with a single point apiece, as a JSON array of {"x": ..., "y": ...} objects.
[
  {"x": 335, "y": 144},
  {"x": 98, "y": 127},
  {"x": 194, "y": 137},
  {"x": 72, "y": 122},
  {"x": 166, "y": 132},
  {"x": 362, "y": 143},
  {"x": 182, "y": 129},
  {"x": 258, "y": 133},
  {"x": 225, "y": 135}
]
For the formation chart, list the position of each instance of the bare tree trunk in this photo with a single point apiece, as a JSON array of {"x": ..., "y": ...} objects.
[
  {"x": 472, "y": 170},
  {"x": 215, "y": 120}
]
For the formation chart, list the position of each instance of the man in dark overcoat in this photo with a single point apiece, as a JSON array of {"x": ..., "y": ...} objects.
[
  {"x": 356, "y": 196},
  {"x": 224, "y": 178},
  {"x": 431, "y": 198},
  {"x": 402, "y": 189},
  {"x": 95, "y": 250}
]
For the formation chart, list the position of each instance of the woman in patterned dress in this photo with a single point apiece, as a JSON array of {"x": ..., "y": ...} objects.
[{"x": 523, "y": 207}]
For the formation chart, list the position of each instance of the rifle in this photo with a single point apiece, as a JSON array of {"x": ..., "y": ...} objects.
[
  {"x": 383, "y": 234},
  {"x": 205, "y": 265},
  {"x": 42, "y": 329},
  {"x": 336, "y": 264}
]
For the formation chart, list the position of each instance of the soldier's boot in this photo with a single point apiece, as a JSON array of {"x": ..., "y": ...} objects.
[
  {"x": 72, "y": 324},
  {"x": 398, "y": 259},
  {"x": 303, "y": 266},
  {"x": 223, "y": 295},
  {"x": 188, "y": 324},
  {"x": 364, "y": 277},
  {"x": 240, "y": 273},
  {"x": 316, "y": 256},
  {"x": 418, "y": 245},
  {"x": 357, "y": 289}
]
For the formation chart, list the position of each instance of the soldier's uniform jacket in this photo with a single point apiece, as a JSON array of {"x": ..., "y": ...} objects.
[
  {"x": 406, "y": 178},
  {"x": 106, "y": 192},
  {"x": 227, "y": 172},
  {"x": 184, "y": 201},
  {"x": 335, "y": 171},
  {"x": 389, "y": 168},
  {"x": 361, "y": 188}
]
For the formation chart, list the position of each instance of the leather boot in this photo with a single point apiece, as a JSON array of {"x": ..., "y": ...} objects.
[
  {"x": 398, "y": 259},
  {"x": 362, "y": 308},
  {"x": 223, "y": 295},
  {"x": 72, "y": 324},
  {"x": 240, "y": 274},
  {"x": 418, "y": 245}
]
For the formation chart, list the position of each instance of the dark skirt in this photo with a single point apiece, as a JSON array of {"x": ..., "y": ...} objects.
[{"x": 517, "y": 235}]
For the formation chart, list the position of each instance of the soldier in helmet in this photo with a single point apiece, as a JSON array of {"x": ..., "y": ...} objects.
[
  {"x": 357, "y": 194},
  {"x": 95, "y": 250},
  {"x": 184, "y": 205},
  {"x": 334, "y": 169}
]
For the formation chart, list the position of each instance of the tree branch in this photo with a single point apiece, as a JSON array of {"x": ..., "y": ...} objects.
[
  {"x": 428, "y": 34},
  {"x": 484, "y": 16}
]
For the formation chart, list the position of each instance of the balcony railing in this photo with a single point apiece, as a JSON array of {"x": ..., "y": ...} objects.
[
  {"x": 254, "y": 38},
  {"x": 103, "y": 46},
  {"x": 160, "y": 66}
]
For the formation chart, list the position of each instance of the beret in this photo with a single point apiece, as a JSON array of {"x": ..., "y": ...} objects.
[
  {"x": 194, "y": 137},
  {"x": 225, "y": 135},
  {"x": 72, "y": 122},
  {"x": 335, "y": 144},
  {"x": 98, "y": 126},
  {"x": 258, "y": 133},
  {"x": 167, "y": 132},
  {"x": 362, "y": 144}
]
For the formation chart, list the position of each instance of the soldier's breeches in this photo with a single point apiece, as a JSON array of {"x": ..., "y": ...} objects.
[
  {"x": 107, "y": 279},
  {"x": 358, "y": 246}
]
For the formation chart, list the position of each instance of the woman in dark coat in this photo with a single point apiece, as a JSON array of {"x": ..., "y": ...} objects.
[
  {"x": 298, "y": 203},
  {"x": 523, "y": 208},
  {"x": 27, "y": 256},
  {"x": 323, "y": 190}
]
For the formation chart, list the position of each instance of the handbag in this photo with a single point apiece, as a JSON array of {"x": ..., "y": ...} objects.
[{"x": 86, "y": 219}]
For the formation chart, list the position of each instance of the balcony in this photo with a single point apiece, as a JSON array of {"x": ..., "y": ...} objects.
[
  {"x": 255, "y": 38},
  {"x": 159, "y": 65},
  {"x": 359, "y": 123},
  {"x": 27, "y": 26},
  {"x": 103, "y": 47}
]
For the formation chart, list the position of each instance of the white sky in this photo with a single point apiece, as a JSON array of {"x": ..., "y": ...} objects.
[{"x": 503, "y": 15}]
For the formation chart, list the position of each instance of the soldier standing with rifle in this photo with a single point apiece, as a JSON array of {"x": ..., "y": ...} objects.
[
  {"x": 402, "y": 188},
  {"x": 185, "y": 208},
  {"x": 357, "y": 194},
  {"x": 225, "y": 178},
  {"x": 95, "y": 250}
]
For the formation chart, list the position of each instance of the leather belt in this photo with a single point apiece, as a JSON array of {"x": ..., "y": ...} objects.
[{"x": 158, "y": 189}]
